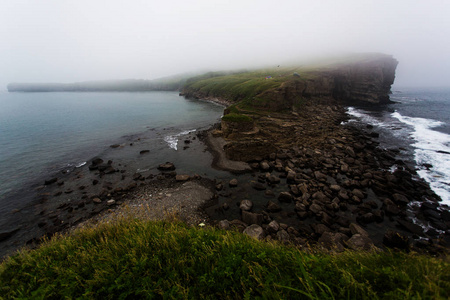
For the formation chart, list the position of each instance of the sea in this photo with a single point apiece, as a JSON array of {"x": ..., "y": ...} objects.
[
  {"x": 43, "y": 134},
  {"x": 417, "y": 124}
]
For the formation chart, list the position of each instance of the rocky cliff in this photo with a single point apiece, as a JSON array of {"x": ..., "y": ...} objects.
[{"x": 364, "y": 79}]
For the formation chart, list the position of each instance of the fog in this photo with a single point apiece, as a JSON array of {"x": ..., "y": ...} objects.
[{"x": 67, "y": 41}]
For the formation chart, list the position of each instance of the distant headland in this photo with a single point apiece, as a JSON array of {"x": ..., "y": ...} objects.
[{"x": 362, "y": 78}]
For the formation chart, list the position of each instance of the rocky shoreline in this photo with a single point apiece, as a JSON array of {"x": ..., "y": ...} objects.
[
  {"x": 327, "y": 184},
  {"x": 304, "y": 178}
]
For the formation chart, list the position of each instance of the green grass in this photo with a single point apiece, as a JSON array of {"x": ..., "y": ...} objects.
[
  {"x": 137, "y": 259},
  {"x": 238, "y": 118},
  {"x": 243, "y": 85}
]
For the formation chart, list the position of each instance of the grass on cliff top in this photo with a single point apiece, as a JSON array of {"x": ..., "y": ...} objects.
[
  {"x": 237, "y": 118},
  {"x": 244, "y": 85},
  {"x": 139, "y": 259}
]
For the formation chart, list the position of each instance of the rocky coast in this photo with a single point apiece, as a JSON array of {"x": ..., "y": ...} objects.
[
  {"x": 298, "y": 173},
  {"x": 319, "y": 180}
]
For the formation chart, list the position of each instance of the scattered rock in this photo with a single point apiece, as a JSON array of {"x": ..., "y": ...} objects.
[
  {"x": 246, "y": 205},
  {"x": 257, "y": 185},
  {"x": 182, "y": 177},
  {"x": 273, "y": 226},
  {"x": 315, "y": 208},
  {"x": 51, "y": 181},
  {"x": 233, "y": 182},
  {"x": 255, "y": 231},
  {"x": 360, "y": 242},
  {"x": 272, "y": 207},
  {"x": 97, "y": 200},
  {"x": 111, "y": 202},
  {"x": 252, "y": 218},
  {"x": 272, "y": 179},
  {"x": 7, "y": 234},
  {"x": 285, "y": 197},
  {"x": 394, "y": 239},
  {"x": 168, "y": 166},
  {"x": 356, "y": 229},
  {"x": 224, "y": 224},
  {"x": 283, "y": 236}
]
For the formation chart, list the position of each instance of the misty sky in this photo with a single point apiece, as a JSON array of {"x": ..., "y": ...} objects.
[{"x": 67, "y": 41}]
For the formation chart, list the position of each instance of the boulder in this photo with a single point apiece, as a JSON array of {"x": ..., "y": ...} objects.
[
  {"x": 264, "y": 166},
  {"x": 273, "y": 226},
  {"x": 144, "y": 151},
  {"x": 411, "y": 227},
  {"x": 285, "y": 197},
  {"x": 320, "y": 229},
  {"x": 168, "y": 166},
  {"x": 224, "y": 224},
  {"x": 358, "y": 193},
  {"x": 333, "y": 241},
  {"x": 233, "y": 182},
  {"x": 7, "y": 234},
  {"x": 272, "y": 179},
  {"x": 182, "y": 177},
  {"x": 272, "y": 207},
  {"x": 335, "y": 187},
  {"x": 356, "y": 229},
  {"x": 283, "y": 236},
  {"x": 97, "y": 200},
  {"x": 315, "y": 208},
  {"x": 246, "y": 205},
  {"x": 257, "y": 185},
  {"x": 252, "y": 218},
  {"x": 394, "y": 239},
  {"x": 320, "y": 176},
  {"x": 255, "y": 231},
  {"x": 400, "y": 199},
  {"x": 359, "y": 242},
  {"x": 51, "y": 181},
  {"x": 97, "y": 161}
]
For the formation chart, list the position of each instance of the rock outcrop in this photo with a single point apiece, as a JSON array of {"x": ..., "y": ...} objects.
[{"x": 364, "y": 79}]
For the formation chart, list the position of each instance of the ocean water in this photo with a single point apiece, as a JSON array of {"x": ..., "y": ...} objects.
[
  {"x": 419, "y": 124},
  {"x": 42, "y": 134}
]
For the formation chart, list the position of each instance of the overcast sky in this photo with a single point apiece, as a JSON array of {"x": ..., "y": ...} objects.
[{"x": 66, "y": 41}]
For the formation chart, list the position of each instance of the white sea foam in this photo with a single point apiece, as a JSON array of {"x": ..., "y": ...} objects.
[
  {"x": 80, "y": 164},
  {"x": 172, "y": 140},
  {"x": 364, "y": 117},
  {"x": 428, "y": 143}
]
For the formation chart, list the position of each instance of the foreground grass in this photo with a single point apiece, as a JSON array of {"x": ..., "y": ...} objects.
[{"x": 152, "y": 259}]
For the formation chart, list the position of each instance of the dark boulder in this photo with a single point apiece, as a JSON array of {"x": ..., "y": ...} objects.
[
  {"x": 168, "y": 166},
  {"x": 252, "y": 218},
  {"x": 393, "y": 239},
  {"x": 285, "y": 197},
  {"x": 272, "y": 207},
  {"x": 51, "y": 181}
]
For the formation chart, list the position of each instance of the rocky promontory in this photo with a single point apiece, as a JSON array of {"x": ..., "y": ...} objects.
[
  {"x": 316, "y": 178},
  {"x": 364, "y": 79}
]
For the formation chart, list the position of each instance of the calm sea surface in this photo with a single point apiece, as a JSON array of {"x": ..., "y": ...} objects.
[{"x": 45, "y": 133}]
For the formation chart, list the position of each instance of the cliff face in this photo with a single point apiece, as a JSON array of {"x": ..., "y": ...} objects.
[{"x": 365, "y": 82}]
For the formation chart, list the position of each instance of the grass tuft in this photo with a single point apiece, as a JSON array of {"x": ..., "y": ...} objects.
[{"x": 143, "y": 259}]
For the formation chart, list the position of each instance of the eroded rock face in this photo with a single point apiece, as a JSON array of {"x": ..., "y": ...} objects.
[{"x": 365, "y": 82}]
